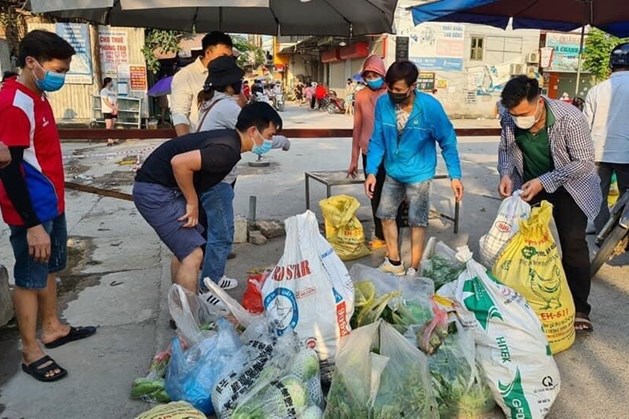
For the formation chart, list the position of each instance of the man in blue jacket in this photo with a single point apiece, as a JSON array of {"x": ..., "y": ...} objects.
[{"x": 408, "y": 125}]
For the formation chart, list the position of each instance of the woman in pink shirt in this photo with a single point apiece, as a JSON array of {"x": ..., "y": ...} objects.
[{"x": 364, "y": 112}]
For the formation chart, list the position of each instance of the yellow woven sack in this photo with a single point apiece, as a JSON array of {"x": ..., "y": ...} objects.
[
  {"x": 342, "y": 228},
  {"x": 173, "y": 410},
  {"x": 531, "y": 265}
]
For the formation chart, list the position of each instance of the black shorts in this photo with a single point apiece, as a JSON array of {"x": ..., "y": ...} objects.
[{"x": 110, "y": 116}]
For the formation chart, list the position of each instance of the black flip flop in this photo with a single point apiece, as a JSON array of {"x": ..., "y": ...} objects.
[
  {"x": 35, "y": 370},
  {"x": 76, "y": 333}
]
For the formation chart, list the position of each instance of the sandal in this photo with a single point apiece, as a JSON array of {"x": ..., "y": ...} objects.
[
  {"x": 582, "y": 323},
  {"x": 76, "y": 333},
  {"x": 35, "y": 370}
]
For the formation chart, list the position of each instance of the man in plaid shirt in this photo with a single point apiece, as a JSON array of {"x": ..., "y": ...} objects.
[{"x": 546, "y": 151}]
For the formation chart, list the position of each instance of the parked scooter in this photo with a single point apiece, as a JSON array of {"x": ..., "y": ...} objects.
[
  {"x": 336, "y": 105},
  {"x": 614, "y": 237}
]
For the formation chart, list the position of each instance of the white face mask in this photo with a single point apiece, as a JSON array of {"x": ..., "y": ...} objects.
[{"x": 526, "y": 122}]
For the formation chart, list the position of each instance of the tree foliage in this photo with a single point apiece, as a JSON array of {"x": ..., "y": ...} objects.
[
  {"x": 251, "y": 55},
  {"x": 598, "y": 47},
  {"x": 164, "y": 41}
]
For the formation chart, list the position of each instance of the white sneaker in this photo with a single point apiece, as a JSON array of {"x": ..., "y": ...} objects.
[
  {"x": 212, "y": 299},
  {"x": 227, "y": 283},
  {"x": 390, "y": 268},
  {"x": 411, "y": 272}
]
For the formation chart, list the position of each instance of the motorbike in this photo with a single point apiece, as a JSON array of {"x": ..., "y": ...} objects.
[
  {"x": 261, "y": 97},
  {"x": 613, "y": 239}
]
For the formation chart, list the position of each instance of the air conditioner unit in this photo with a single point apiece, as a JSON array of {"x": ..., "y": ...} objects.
[
  {"x": 517, "y": 69},
  {"x": 532, "y": 58}
]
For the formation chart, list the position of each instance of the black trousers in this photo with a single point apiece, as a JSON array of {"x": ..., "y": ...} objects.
[
  {"x": 402, "y": 221},
  {"x": 571, "y": 223},
  {"x": 605, "y": 172}
]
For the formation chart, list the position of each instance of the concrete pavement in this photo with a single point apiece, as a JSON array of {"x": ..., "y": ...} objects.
[{"x": 118, "y": 279}]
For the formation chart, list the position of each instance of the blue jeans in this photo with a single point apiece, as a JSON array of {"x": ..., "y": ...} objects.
[
  {"x": 30, "y": 274},
  {"x": 217, "y": 203},
  {"x": 417, "y": 195}
]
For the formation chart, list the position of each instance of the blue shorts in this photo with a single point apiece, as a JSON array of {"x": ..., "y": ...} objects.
[
  {"x": 161, "y": 207},
  {"x": 417, "y": 195},
  {"x": 30, "y": 274}
]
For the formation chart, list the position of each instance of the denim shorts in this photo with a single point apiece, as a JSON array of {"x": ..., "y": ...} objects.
[
  {"x": 30, "y": 274},
  {"x": 161, "y": 207},
  {"x": 417, "y": 195}
]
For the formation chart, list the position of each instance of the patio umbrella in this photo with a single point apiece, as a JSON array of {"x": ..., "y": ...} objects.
[
  {"x": 161, "y": 88},
  {"x": 611, "y": 16},
  {"x": 271, "y": 17}
]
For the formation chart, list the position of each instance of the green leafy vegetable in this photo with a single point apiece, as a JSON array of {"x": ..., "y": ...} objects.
[{"x": 442, "y": 270}]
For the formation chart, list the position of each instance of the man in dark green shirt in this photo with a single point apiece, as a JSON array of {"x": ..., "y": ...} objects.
[
  {"x": 546, "y": 150},
  {"x": 535, "y": 147}
]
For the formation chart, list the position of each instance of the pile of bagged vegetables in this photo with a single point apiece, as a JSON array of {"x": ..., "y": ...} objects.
[{"x": 328, "y": 343}]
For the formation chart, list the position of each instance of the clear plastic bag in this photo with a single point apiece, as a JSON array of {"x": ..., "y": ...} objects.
[
  {"x": 379, "y": 375},
  {"x": 191, "y": 314},
  {"x": 193, "y": 373},
  {"x": 439, "y": 264},
  {"x": 458, "y": 387},
  {"x": 269, "y": 377},
  {"x": 401, "y": 302}
]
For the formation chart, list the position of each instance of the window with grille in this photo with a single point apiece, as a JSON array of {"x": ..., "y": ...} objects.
[{"x": 477, "y": 48}]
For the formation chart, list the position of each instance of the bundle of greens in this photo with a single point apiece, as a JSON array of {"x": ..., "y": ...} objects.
[
  {"x": 458, "y": 388},
  {"x": 380, "y": 375},
  {"x": 391, "y": 307},
  {"x": 442, "y": 270},
  {"x": 151, "y": 388}
]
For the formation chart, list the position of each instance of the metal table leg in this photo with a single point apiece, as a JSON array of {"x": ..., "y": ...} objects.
[
  {"x": 457, "y": 207},
  {"x": 307, "y": 191}
]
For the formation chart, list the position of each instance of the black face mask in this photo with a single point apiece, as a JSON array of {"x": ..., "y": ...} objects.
[
  {"x": 399, "y": 98},
  {"x": 237, "y": 88}
]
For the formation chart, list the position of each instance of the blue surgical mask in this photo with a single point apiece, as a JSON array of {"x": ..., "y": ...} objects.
[
  {"x": 51, "y": 82},
  {"x": 375, "y": 84},
  {"x": 263, "y": 148}
]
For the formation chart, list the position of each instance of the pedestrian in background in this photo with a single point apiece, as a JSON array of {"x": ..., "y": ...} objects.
[
  {"x": 310, "y": 95},
  {"x": 109, "y": 106},
  {"x": 188, "y": 82},
  {"x": 373, "y": 73},
  {"x": 32, "y": 199},
  {"x": 408, "y": 126},
  {"x": 349, "y": 97},
  {"x": 320, "y": 94},
  {"x": 546, "y": 150},
  {"x": 605, "y": 109}
]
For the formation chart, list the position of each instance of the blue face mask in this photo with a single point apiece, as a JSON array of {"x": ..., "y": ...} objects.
[
  {"x": 263, "y": 148},
  {"x": 51, "y": 82},
  {"x": 375, "y": 84}
]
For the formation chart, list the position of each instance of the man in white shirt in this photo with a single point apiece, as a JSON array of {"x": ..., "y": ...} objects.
[
  {"x": 606, "y": 111},
  {"x": 188, "y": 82}
]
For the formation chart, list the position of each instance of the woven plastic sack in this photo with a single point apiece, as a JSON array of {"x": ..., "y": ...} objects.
[
  {"x": 531, "y": 265},
  {"x": 173, "y": 410},
  {"x": 511, "y": 347},
  {"x": 342, "y": 228},
  {"x": 512, "y": 211}
]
